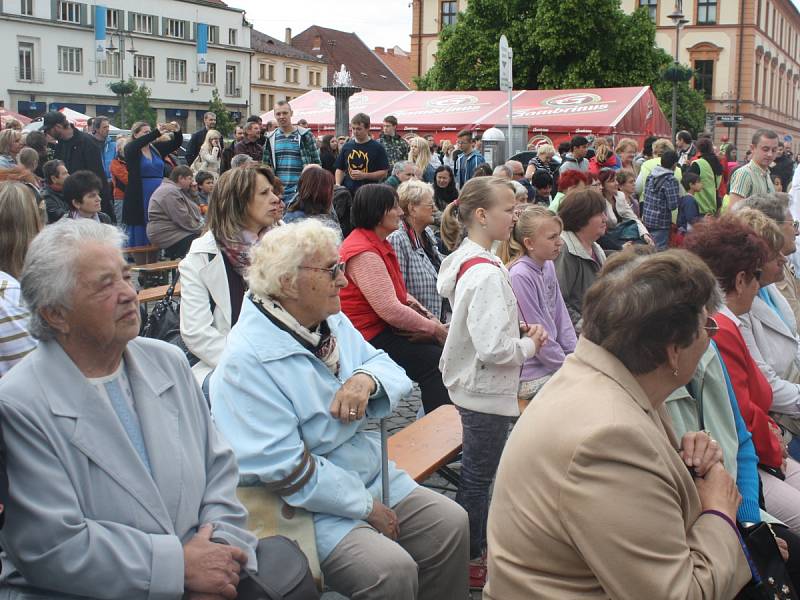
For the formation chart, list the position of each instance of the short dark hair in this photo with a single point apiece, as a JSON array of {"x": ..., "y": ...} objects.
[
  {"x": 647, "y": 147},
  {"x": 577, "y": 141},
  {"x": 684, "y": 136},
  {"x": 180, "y": 171},
  {"x": 669, "y": 159},
  {"x": 202, "y": 177},
  {"x": 371, "y": 202},
  {"x": 254, "y": 119},
  {"x": 391, "y": 119},
  {"x": 541, "y": 179},
  {"x": 770, "y": 134},
  {"x": 80, "y": 183},
  {"x": 689, "y": 178},
  {"x": 360, "y": 119},
  {"x": 97, "y": 122},
  {"x": 50, "y": 170},
  {"x": 483, "y": 170},
  {"x": 563, "y": 147},
  {"x": 465, "y": 133},
  {"x": 579, "y": 206}
]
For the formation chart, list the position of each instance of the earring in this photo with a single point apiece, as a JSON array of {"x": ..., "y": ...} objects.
[
  {"x": 674, "y": 372},
  {"x": 484, "y": 225}
]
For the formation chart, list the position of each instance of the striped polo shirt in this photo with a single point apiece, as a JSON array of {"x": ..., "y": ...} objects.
[{"x": 15, "y": 341}]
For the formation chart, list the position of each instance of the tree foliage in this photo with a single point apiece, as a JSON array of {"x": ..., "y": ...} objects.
[
  {"x": 137, "y": 107},
  {"x": 560, "y": 44},
  {"x": 225, "y": 123}
]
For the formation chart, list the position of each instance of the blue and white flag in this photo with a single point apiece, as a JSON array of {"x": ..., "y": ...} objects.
[
  {"x": 100, "y": 32},
  {"x": 202, "y": 47}
]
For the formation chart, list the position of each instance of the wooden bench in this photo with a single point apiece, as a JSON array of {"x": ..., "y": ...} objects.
[
  {"x": 164, "y": 265},
  {"x": 141, "y": 249},
  {"x": 154, "y": 294},
  {"x": 429, "y": 444}
]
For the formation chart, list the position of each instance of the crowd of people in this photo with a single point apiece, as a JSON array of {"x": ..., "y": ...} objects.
[{"x": 629, "y": 317}]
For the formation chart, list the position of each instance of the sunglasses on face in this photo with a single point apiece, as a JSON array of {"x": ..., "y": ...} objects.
[{"x": 334, "y": 270}]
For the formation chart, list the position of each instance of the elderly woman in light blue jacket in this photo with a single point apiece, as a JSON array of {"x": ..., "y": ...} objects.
[{"x": 291, "y": 394}]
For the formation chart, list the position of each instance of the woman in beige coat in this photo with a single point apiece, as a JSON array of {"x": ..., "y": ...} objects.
[{"x": 594, "y": 497}]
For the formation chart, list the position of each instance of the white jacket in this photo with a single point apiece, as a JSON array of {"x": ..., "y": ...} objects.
[
  {"x": 484, "y": 352},
  {"x": 203, "y": 278},
  {"x": 775, "y": 348}
]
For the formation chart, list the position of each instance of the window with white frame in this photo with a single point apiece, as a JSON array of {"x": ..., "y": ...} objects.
[
  {"x": 143, "y": 23},
  {"x": 69, "y": 12},
  {"x": 110, "y": 67},
  {"x": 262, "y": 102},
  {"x": 70, "y": 60},
  {"x": 213, "y": 34},
  {"x": 314, "y": 78},
  {"x": 231, "y": 37},
  {"x": 210, "y": 76},
  {"x": 176, "y": 70},
  {"x": 25, "y": 64},
  {"x": 113, "y": 18},
  {"x": 26, "y": 7},
  {"x": 271, "y": 74},
  {"x": 231, "y": 79},
  {"x": 174, "y": 28},
  {"x": 144, "y": 67}
]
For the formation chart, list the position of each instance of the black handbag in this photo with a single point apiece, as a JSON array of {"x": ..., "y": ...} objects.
[
  {"x": 283, "y": 572},
  {"x": 164, "y": 323},
  {"x": 770, "y": 579}
]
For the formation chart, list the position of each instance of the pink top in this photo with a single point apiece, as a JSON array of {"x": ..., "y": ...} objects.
[{"x": 369, "y": 273}]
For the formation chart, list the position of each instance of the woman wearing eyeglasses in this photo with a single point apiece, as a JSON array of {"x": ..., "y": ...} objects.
[
  {"x": 292, "y": 392},
  {"x": 737, "y": 256},
  {"x": 377, "y": 300},
  {"x": 244, "y": 205}
]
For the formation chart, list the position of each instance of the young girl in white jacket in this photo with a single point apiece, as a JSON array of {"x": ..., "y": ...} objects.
[{"x": 486, "y": 344}]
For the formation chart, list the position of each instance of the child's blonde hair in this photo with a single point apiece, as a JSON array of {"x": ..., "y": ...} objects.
[
  {"x": 527, "y": 225},
  {"x": 478, "y": 192}
]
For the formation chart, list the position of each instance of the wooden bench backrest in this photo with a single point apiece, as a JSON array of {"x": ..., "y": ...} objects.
[
  {"x": 157, "y": 293},
  {"x": 164, "y": 265},
  {"x": 427, "y": 444}
]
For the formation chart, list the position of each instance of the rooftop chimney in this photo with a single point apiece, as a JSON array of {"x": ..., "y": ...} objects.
[
  {"x": 379, "y": 50},
  {"x": 317, "y": 43},
  {"x": 288, "y": 35}
]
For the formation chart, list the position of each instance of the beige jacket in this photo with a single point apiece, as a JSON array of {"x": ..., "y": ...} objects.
[{"x": 592, "y": 499}]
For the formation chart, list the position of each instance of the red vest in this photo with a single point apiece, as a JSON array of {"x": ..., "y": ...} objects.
[{"x": 354, "y": 304}]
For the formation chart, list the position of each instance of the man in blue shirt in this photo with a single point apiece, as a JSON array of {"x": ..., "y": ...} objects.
[
  {"x": 468, "y": 160},
  {"x": 287, "y": 149},
  {"x": 361, "y": 160}
]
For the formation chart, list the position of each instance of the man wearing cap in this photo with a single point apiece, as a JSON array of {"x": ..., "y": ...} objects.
[
  {"x": 576, "y": 157},
  {"x": 79, "y": 152}
]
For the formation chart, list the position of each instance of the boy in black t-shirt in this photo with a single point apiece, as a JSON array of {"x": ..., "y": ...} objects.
[{"x": 361, "y": 160}]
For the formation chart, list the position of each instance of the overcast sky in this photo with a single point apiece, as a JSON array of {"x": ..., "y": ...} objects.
[{"x": 377, "y": 22}]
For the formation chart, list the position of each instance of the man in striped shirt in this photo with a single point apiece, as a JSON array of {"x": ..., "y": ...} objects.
[
  {"x": 754, "y": 177},
  {"x": 15, "y": 341},
  {"x": 288, "y": 149}
]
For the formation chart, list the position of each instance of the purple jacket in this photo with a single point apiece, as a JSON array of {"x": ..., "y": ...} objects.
[{"x": 540, "y": 301}]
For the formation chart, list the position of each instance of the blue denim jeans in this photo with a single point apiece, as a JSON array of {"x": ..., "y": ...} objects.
[
  {"x": 661, "y": 238},
  {"x": 484, "y": 439}
]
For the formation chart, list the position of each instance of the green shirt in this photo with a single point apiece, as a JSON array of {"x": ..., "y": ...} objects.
[{"x": 750, "y": 180}]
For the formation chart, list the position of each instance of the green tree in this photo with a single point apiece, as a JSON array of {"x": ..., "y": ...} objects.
[
  {"x": 558, "y": 45},
  {"x": 691, "y": 114},
  {"x": 137, "y": 107},
  {"x": 225, "y": 122}
]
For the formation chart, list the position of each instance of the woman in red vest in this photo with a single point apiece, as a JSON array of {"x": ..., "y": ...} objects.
[
  {"x": 736, "y": 254},
  {"x": 376, "y": 299}
]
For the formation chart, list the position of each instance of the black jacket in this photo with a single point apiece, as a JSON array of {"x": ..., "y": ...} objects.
[
  {"x": 133, "y": 206},
  {"x": 81, "y": 153},
  {"x": 55, "y": 204},
  {"x": 193, "y": 147}
]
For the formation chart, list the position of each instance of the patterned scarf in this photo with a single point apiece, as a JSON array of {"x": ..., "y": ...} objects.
[
  {"x": 321, "y": 342},
  {"x": 237, "y": 251}
]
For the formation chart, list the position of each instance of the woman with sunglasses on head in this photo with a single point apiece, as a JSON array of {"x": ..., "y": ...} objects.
[{"x": 737, "y": 255}]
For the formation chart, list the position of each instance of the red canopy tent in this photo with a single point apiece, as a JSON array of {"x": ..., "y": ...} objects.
[
  {"x": 6, "y": 115},
  {"x": 551, "y": 115}
]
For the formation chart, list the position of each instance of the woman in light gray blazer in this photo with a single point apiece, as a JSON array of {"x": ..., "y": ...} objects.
[{"x": 118, "y": 478}]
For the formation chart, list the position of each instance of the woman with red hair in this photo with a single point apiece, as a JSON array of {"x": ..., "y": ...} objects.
[
  {"x": 736, "y": 254},
  {"x": 568, "y": 181},
  {"x": 314, "y": 198}
]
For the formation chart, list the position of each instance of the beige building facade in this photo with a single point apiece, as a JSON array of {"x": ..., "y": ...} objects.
[
  {"x": 281, "y": 72},
  {"x": 745, "y": 53}
]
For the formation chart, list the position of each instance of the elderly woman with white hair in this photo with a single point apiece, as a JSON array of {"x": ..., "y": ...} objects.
[
  {"x": 415, "y": 245},
  {"x": 118, "y": 478},
  {"x": 292, "y": 391}
]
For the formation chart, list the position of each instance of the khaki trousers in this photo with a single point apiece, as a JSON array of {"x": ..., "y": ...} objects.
[{"x": 429, "y": 561}]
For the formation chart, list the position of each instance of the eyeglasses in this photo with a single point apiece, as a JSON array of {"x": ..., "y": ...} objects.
[
  {"x": 795, "y": 225},
  {"x": 711, "y": 327},
  {"x": 334, "y": 270}
]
